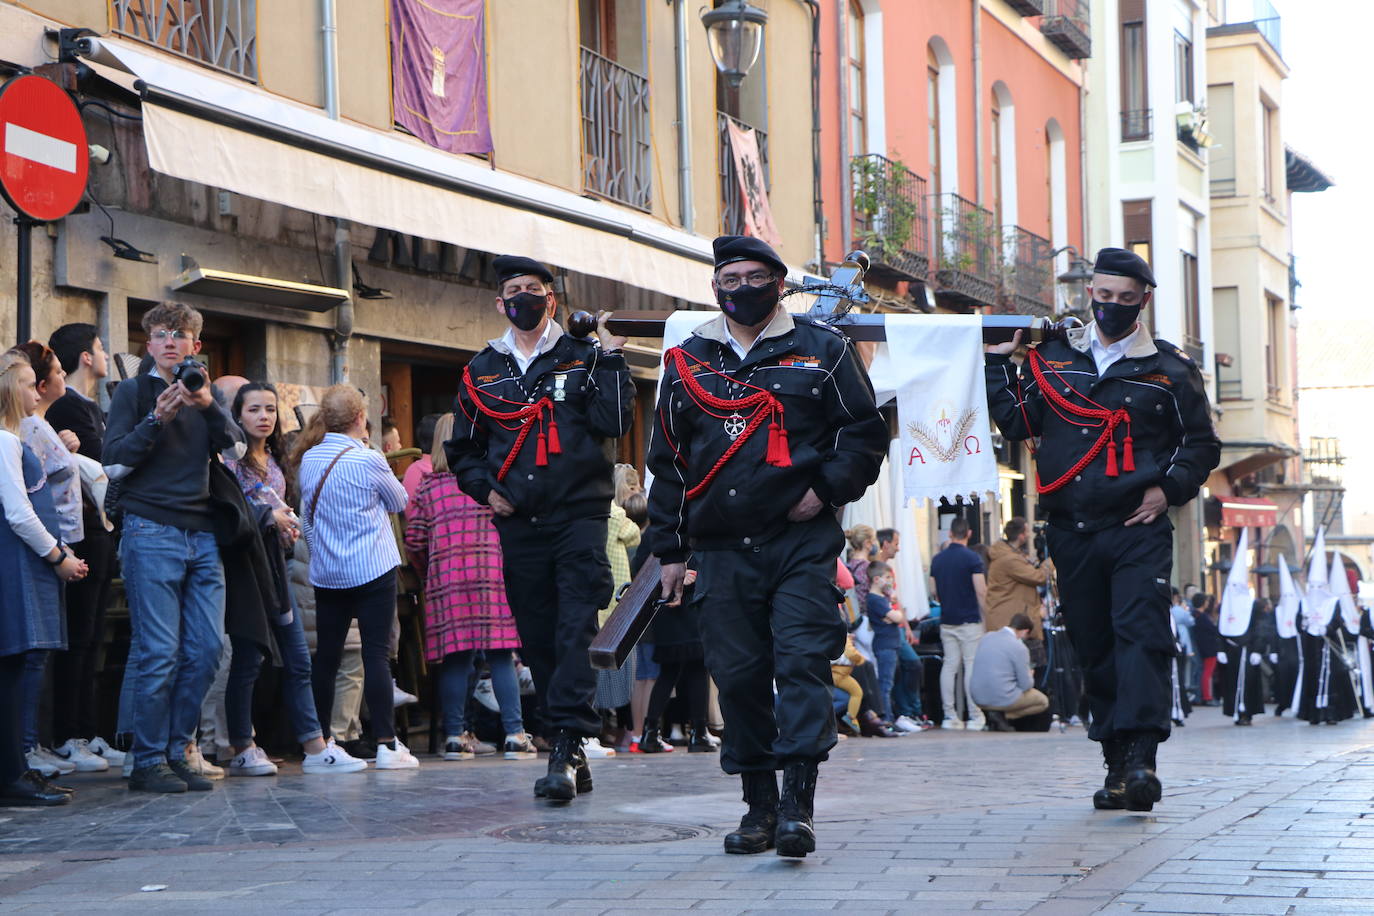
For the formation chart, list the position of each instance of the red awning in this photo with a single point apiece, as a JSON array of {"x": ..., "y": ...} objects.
[{"x": 1248, "y": 512}]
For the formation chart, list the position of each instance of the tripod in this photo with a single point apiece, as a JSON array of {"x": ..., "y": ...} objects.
[{"x": 1062, "y": 681}]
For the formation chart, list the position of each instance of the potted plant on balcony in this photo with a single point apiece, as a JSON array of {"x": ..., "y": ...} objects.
[{"x": 884, "y": 211}]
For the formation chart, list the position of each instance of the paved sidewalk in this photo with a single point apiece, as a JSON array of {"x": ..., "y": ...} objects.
[{"x": 1274, "y": 819}]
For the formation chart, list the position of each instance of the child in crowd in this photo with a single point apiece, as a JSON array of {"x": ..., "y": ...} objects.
[
  {"x": 259, "y": 472},
  {"x": 33, "y": 564},
  {"x": 451, "y": 541},
  {"x": 886, "y": 632}
]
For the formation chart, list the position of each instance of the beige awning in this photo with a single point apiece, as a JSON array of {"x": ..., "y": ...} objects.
[{"x": 209, "y": 129}]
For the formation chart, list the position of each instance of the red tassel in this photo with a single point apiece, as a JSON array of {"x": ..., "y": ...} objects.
[
  {"x": 1111, "y": 456},
  {"x": 541, "y": 453},
  {"x": 1128, "y": 456},
  {"x": 784, "y": 453},
  {"x": 555, "y": 448},
  {"x": 771, "y": 456}
]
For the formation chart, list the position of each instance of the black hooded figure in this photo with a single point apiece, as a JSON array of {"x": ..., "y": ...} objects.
[
  {"x": 1328, "y": 694},
  {"x": 1242, "y": 692}
]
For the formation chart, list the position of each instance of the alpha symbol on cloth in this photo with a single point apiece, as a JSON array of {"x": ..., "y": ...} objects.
[
  {"x": 735, "y": 426},
  {"x": 948, "y": 436}
]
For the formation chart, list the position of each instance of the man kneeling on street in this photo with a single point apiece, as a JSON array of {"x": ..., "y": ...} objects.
[{"x": 1001, "y": 679}]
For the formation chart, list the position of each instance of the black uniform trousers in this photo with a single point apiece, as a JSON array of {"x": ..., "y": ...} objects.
[
  {"x": 557, "y": 578},
  {"x": 1114, "y": 594},
  {"x": 770, "y": 613}
]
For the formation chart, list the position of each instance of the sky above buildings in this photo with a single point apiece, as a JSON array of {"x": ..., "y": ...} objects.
[{"x": 1326, "y": 47}]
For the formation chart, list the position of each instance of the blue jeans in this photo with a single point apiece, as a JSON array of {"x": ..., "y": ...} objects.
[
  {"x": 906, "y": 694},
  {"x": 296, "y": 687},
  {"x": 887, "y": 671},
  {"x": 175, "y": 586},
  {"x": 455, "y": 686},
  {"x": 30, "y": 692}
]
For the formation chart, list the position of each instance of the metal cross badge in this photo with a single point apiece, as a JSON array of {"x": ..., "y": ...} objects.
[{"x": 734, "y": 426}]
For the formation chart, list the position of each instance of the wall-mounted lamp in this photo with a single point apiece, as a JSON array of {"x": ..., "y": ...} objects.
[{"x": 734, "y": 33}]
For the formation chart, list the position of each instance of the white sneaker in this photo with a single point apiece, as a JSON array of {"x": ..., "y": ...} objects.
[
  {"x": 252, "y": 762},
  {"x": 711, "y": 739},
  {"x": 520, "y": 747},
  {"x": 486, "y": 695},
  {"x": 77, "y": 751},
  {"x": 101, "y": 748},
  {"x": 676, "y": 736},
  {"x": 399, "y": 759},
  {"x": 978, "y": 725},
  {"x": 43, "y": 764},
  {"x": 64, "y": 766},
  {"x": 952, "y": 724},
  {"x": 595, "y": 749},
  {"x": 906, "y": 724},
  {"x": 198, "y": 764},
  {"x": 399, "y": 697},
  {"x": 333, "y": 759}
]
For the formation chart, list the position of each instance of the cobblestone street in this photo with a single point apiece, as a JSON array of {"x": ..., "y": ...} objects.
[{"x": 1274, "y": 819}]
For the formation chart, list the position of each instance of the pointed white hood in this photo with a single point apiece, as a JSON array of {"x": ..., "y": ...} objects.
[
  {"x": 1286, "y": 611},
  {"x": 1238, "y": 598}
]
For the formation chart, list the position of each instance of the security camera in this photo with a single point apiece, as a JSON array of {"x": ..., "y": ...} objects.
[{"x": 99, "y": 154}]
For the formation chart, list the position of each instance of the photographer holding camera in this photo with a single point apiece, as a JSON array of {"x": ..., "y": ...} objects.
[
  {"x": 164, "y": 430},
  {"x": 1014, "y": 581}
]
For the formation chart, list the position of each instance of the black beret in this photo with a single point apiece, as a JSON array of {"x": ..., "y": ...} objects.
[
  {"x": 731, "y": 248},
  {"x": 1118, "y": 262},
  {"x": 513, "y": 265}
]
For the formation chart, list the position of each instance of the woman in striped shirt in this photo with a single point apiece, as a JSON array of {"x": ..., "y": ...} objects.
[{"x": 347, "y": 491}]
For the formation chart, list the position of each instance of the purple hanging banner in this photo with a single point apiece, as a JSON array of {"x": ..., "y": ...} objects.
[{"x": 439, "y": 73}]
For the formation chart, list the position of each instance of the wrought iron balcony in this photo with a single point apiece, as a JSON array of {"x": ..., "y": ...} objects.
[
  {"x": 615, "y": 132},
  {"x": 1028, "y": 272},
  {"x": 891, "y": 218},
  {"x": 731, "y": 198},
  {"x": 1067, "y": 26},
  {"x": 1137, "y": 125},
  {"x": 221, "y": 33},
  {"x": 1027, "y": 7},
  {"x": 967, "y": 262}
]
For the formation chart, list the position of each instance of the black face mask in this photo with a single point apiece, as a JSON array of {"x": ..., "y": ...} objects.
[
  {"x": 1115, "y": 319},
  {"x": 749, "y": 305},
  {"x": 526, "y": 310}
]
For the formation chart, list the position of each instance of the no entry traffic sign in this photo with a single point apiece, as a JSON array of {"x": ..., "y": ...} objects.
[{"x": 43, "y": 149}]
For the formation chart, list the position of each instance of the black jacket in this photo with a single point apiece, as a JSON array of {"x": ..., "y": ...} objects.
[
  {"x": 1160, "y": 387},
  {"x": 597, "y": 404},
  {"x": 837, "y": 437}
]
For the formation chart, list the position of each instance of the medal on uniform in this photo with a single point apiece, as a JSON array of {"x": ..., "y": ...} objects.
[
  {"x": 558, "y": 382},
  {"x": 734, "y": 426}
]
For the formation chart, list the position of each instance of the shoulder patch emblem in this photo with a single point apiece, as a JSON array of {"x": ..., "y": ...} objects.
[
  {"x": 1060, "y": 363},
  {"x": 1177, "y": 351},
  {"x": 570, "y": 364},
  {"x": 487, "y": 379},
  {"x": 1159, "y": 378}
]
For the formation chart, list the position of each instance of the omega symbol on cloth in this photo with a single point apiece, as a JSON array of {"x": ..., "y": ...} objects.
[{"x": 734, "y": 426}]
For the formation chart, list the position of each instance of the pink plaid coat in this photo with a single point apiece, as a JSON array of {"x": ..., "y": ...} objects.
[{"x": 451, "y": 538}]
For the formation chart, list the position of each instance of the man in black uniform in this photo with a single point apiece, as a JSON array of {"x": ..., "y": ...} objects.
[
  {"x": 1110, "y": 388},
  {"x": 765, "y": 427},
  {"x": 533, "y": 413}
]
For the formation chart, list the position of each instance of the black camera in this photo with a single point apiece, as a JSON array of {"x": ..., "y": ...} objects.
[
  {"x": 191, "y": 374},
  {"x": 1041, "y": 547}
]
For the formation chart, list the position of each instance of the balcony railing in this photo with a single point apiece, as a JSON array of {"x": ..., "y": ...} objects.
[
  {"x": 1137, "y": 125},
  {"x": 1261, "y": 15},
  {"x": 1028, "y": 278},
  {"x": 615, "y": 132},
  {"x": 731, "y": 201},
  {"x": 967, "y": 262},
  {"x": 1067, "y": 26},
  {"x": 891, "y": 218},
  {"x": 221, "y": 33},
  {"x": 1027, "y": 7},
  {"x": 1230, "y": 389}
]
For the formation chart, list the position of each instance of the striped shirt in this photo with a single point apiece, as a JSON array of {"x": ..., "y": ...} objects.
[{"x": 350, "y": 536}]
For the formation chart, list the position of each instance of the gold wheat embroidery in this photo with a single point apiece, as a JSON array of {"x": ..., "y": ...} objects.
[{"x": 923, "y": 434}]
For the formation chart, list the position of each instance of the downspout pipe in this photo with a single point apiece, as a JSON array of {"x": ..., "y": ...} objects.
[
  {"x": 686, "y": 209},
  {"x": 846, "y": 182},
  {"x": 343, "y": 312},
  {"x": 978, "y": 177},
  {"x": 329, "y": 33},
  {"x": 817, "y": 202}
]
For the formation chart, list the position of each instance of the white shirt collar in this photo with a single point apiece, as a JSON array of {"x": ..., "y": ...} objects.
[
  {"x": 1104, "y": 355},
  {"x": 506, "y": 344}
]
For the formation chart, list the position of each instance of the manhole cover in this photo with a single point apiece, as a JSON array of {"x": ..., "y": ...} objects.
[{"x": 598, "y": 833}]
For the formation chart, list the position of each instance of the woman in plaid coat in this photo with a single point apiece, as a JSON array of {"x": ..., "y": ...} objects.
[{"x": 452, "y": 542}]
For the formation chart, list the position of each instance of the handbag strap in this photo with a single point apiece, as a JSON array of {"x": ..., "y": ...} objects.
[{"x": 314, "y": 500}]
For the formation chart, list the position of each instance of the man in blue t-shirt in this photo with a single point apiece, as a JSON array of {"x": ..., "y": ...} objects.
[{"x": 960, "y": 581}]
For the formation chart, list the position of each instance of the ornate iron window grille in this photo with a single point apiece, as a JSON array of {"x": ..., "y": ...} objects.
[
  {"x": 891, "y": 217},
  {"x": 967, "y": 262},
  {"x": 615, "y": 132},
  {"x": 219, "y": 33}
]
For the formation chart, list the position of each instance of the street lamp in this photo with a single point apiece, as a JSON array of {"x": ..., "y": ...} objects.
[
  {"x": 1075, "y": 280},
  {"x": 734, "y": 33}
]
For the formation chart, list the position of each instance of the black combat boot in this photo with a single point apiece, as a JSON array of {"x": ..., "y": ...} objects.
[
  {"x": 650, "y": 742},
  {"x": 1112, "y": 795},
  {"x": 1142, "y": 785},
  {"x": 796, "y": 836},
  {"x": 560, "y": 783},
  {"x": 696, "y": 739},
  {"x": 756, "y": 828},
  {"x": 584, "y": 769}
]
